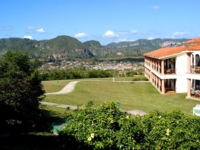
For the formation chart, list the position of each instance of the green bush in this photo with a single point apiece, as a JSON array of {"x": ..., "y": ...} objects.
[
  {"x": 106, "y": 127},
  {"x": 140, "y": 79},
  {"x": 74, "y": 74},
  {"x": 173, "y": 130}
]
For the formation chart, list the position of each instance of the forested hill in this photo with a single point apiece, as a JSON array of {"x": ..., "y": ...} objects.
[{"x": 63, "y": 47}]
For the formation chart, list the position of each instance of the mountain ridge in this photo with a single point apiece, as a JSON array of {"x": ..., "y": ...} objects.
[{"x": 63, "y": 47}]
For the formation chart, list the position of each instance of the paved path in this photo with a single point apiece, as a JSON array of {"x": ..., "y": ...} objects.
[
  {"x": 69, "y": 88},
  {"x": 132, "y": 112},
  {"x": 59, "y": 105}
]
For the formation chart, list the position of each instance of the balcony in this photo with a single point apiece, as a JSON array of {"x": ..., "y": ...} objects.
[
  {"x": 170, "y": 71},
  {"x": 195, "y": 69}
]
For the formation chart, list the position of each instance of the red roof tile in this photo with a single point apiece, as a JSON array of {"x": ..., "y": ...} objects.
[
  {"x": 196, "y": 40},
  {"x": 191, "y": 45},
  {"x": 165, "y": 51}
]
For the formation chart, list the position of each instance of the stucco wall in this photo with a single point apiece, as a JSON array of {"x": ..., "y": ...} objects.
[
  {"x": 181, "y": 64},
  {"x": 181, "y": 69},
  {"x": 181, "y": 84}
]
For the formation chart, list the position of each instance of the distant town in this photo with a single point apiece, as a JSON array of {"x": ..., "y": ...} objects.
[{"x": 85, "y": 65}]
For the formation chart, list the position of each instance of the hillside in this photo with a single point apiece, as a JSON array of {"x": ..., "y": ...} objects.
[
  {"x": 141, "y": 46},
  {"x": 63, "y": 47}
]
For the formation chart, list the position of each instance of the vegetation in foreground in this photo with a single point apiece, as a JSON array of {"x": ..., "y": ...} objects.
[
  {"x": 20, "y": 92},
  {"x": 39, "y": 137},
  {"x": 106, "y": 127}
]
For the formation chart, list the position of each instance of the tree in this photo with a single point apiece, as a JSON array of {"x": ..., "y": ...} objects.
[
  {"x": 36, "y": 64},
  {"x": 20, "y": 89}
]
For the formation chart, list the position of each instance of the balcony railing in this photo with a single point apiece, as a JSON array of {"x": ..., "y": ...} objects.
[
  {"x": 170, "y": 71},
  {"x": 195, "y": 69}
]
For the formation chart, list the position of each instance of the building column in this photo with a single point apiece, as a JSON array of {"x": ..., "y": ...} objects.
[
  {"x": 160, "y": 85},
  {"x": 188, "y": 63},
  {"x": 188, "y": 88},
  {"x": 162, "y": 67},
  {"x": 163, "y": 86},
  {"x": 156, "y": 81}
]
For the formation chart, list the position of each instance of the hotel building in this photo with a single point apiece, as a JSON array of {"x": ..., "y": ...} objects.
[{"x": 175, "y": 68}]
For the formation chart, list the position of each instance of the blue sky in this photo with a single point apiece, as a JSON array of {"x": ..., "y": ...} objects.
[{"x": 103, "y": 20}]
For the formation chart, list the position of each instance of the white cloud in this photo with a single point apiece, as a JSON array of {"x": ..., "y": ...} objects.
[
  {"x": 122, "y": 40},
  {"x": 133, "y": 31},
  {"x": 80, "y": 35},
  {"x": 180, "y": 34},
  {"x": 110, "y": 34},
  {"x": 28, "y": 37},
  {"x": 150, "y": 38},
  {"x": 155, "y": 7},
  {"x": 40, "y": 30}
]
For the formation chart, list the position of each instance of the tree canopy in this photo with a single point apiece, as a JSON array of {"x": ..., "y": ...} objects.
[{"x": 20, "y": 89}]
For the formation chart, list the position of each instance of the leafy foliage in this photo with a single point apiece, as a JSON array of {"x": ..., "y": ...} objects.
[
  {"x": 142, "y": 78},
  {"x": 20, "y": 89},
  {"x": 75, "y": 74},
  {"x": 106, "y": 127},
  {"x": 174, "y": 130}
]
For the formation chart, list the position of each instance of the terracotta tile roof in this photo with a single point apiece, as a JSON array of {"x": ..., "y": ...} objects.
[
  {"x": 165, "y": 51},
  {"x": 191, "y": 45},
  {"x": 196, "y": 40}
]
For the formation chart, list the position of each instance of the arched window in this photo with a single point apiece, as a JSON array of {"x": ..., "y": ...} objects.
[{"x": 197, "y": 60}]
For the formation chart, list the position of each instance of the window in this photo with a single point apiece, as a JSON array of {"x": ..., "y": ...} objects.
[
  {"x": 197, "y": 60},
  {"x": 192, "y": 60}
]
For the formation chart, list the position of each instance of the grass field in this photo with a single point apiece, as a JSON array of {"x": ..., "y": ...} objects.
[{"x": 141, "y": 95}]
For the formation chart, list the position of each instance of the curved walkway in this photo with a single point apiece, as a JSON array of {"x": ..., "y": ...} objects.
[
  {"x": 59, "y": 105},
  {"x": 67, "y": 89}
]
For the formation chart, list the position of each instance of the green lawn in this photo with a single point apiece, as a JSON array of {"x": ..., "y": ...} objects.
[
  {"x": 54, "y": 85},
  {"x": 142, "y": 96}
]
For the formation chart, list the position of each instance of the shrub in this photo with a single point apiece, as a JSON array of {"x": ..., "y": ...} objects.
[
  {"x": 106, "y": 127},
  {"x": 140, "y": 79},
  {"x": 171, "y": 130}
]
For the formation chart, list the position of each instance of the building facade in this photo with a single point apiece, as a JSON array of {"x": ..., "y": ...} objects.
[{"x": 176, "y": 68}]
